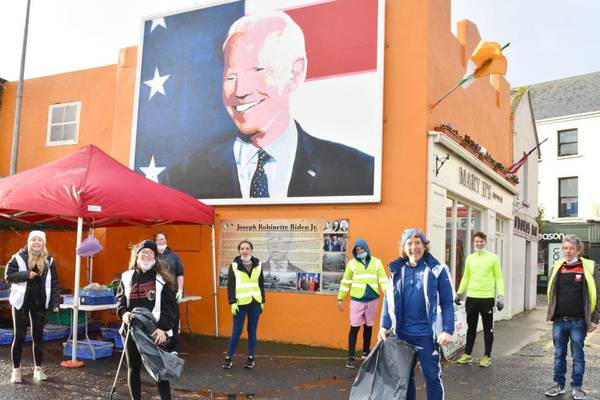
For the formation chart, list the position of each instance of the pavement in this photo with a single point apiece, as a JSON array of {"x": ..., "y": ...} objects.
[{"x": 522, "y": 370}]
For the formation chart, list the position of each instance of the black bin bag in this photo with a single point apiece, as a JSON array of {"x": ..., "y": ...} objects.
[
  {"x": 161, "y": 365},
  {"x": 385, "y": 373}
]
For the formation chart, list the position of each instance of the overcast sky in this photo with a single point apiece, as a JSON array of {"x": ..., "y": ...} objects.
[{"x": 550, "y": 39}]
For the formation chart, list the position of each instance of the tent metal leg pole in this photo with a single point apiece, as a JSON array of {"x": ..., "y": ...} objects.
[
  {"x": 215, "y": 272},
  {"x": 76, "y": 289},
  {"x": 74, "y": 363}
]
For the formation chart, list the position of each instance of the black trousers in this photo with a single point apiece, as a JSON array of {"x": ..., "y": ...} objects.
[
  {"x": 134, "y": 367},
  {"x": 37, "y": 318},
  {"x": 353, "y": 335},
  {"x": 485, "y": 308},
  {"x": 172, "y": 341}
]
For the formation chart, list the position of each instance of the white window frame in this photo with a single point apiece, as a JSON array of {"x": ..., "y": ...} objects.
[{"x": 49, "y": 127}]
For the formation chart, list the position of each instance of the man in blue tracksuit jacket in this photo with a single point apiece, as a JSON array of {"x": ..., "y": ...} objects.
[{"x": 419, "y": 294}]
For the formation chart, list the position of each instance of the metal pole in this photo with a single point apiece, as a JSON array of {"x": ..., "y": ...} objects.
[
  {"x": 91, "y": 259},
  {"x": 76, "y": 289},
  {"x": 215, "y": 272},
  {"x": 17, "y": 123}
]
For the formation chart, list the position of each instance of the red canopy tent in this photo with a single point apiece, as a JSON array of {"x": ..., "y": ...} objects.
[{"x": 90, "y": 187}]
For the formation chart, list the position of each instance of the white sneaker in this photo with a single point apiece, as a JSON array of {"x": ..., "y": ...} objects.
[
  {"x": 15, "y": 377},
  {"x": 38, "y": 374}
]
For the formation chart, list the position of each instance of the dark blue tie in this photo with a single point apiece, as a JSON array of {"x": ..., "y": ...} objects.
[{"x": 259, "y": 187}]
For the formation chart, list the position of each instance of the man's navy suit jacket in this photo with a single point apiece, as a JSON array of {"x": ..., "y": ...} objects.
[{"x": 321, "y": 168}]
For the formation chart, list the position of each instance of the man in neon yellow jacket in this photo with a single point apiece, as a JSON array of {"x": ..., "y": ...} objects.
[
  {"x": 573, "y": 299},
  {"x": 482, "y": 279},
  {"x": 362, "y": 277}
]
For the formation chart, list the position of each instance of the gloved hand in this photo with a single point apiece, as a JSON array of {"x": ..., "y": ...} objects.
[
  {"x": 262, "y": 307},
  {"x": 179, "y": 296},
  {"x": 459, "y": 298},
  {"x": 499, "y": 302},
  {"x": 234, "y": 309}
]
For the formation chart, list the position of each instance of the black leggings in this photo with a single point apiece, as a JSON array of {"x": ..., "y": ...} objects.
[
  {"x": 37, "y": 318},
  {"x": 353, "y": 334},
  {"x": 474, "y": 308},
  {"x": 134, "y": 367},
  {"x": 171, "y": 344}
]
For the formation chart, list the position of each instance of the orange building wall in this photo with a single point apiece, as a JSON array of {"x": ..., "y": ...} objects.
[
  {"x": 95, "y": 88},
  {"x": 422, "y": 61},
  {"x": 481, "y": 111}
]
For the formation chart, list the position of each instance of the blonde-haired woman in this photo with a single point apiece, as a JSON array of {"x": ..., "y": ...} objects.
[{"x": 34, "y": 290}]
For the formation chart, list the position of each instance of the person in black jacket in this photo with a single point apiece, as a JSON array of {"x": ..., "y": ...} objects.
[
  {"x": 147, "y": 284},
  {"x": 34, "y": 290},
  {"x": 246, "y": 294},
  {"x": 175, "y": 268}
]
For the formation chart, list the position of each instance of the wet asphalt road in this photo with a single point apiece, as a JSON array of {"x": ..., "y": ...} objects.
[{"x": 301, "y": 372}]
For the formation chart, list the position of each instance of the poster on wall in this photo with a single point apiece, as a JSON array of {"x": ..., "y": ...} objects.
[
  {"x": 459, "y": 337},
  {"x": 238, "y": 102},
  {"x": 297, "y": 255}
]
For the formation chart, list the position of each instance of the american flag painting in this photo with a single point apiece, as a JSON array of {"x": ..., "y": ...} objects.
[{"x": 263, "y": 102}]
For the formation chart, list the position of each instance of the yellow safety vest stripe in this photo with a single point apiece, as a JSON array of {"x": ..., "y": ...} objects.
[
  {"x": 357, "y": 277},
  {"x": 247, "y": 287}
]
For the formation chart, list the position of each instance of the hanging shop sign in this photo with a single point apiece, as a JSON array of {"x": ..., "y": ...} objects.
[{"x": 526, "y": 226}]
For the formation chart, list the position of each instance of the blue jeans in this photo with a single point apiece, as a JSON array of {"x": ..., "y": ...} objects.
[
  {"x": 562, "y": 332},
  {"x": 428, "y": 354},
  {"x": 253, "y": 311}
]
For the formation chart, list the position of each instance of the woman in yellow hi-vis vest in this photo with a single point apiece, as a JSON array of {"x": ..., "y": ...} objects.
[
  {"x": 362, "y": 278},
  {"x": 246, "y": 294}
]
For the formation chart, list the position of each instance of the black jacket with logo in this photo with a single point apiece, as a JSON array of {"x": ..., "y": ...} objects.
[{"x": 143, "y": 294}]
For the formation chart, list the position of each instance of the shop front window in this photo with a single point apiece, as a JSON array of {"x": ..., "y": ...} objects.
[{"x": 462, "y": 221}]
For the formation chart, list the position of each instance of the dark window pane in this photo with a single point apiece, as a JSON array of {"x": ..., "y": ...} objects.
[
  {"x": 568, "y": 187},
  {"x": 71, "y": 113},
  {"x": 567, "y": 136},
  {"x": 58, "y": 115},
  {"x": 568, "y": 149},
  {"x": 568, "y": 207},
  {"x": 69, "y": 131},
  {"x": 56, "y": 133}
]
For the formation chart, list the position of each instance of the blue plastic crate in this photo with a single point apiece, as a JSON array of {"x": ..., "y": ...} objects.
[
  {"x": 6, "y": 336},
  {"x": 96, "y": 293},
  {"x": 55, "y": 332},
  {"x": 4, "y": 292},
  {"x": 93, "y": 301},
  {"x": 51, "y": 332},
  {"x": 109, "y": 332},
  {"x": 101, "y": 349}
]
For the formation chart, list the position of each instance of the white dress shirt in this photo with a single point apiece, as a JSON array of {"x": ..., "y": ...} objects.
[{"x": 279, "y": 167}]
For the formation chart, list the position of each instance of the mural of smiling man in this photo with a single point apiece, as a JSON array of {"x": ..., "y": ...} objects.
[{"x": 270, "y": 155}]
